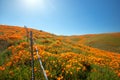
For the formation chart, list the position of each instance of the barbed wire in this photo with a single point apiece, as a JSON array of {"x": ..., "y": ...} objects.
[
  {"x": 39, "y": 59},
  {"x": 37, "y": 52}
]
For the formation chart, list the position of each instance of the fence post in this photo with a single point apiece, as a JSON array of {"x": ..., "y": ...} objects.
[
  {"x": 26, "y": 32},
  {"x": 32, "y": 56}
]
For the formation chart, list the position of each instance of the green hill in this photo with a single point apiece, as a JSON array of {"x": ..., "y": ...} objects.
[{"x": 106, "y": 41}]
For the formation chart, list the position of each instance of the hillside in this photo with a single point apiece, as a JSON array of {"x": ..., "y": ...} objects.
[
  {"x": 106, "y": 41},
  {"x": 86, "y": 57}
]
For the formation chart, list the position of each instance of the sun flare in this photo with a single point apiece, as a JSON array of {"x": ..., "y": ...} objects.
[{"x": 33, "y": 4}]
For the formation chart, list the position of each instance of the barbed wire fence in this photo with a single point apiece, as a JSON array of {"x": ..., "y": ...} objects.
[
  {"x": 32, "y": 42},
  {"x": 39, "y": 59}
]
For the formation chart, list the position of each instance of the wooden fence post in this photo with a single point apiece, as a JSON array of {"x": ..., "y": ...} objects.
[
  {"x": 27, "y": 33},
  {"x": 32, "y": 56}
]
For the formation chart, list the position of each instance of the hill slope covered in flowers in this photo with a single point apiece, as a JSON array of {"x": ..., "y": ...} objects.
[{"x": 63, "y": 57}]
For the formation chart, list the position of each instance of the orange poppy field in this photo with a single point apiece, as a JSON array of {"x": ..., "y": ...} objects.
[{"x": 77, "y": 57}]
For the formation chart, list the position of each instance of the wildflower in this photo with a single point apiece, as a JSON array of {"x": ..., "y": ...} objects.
[
  {"x": 53, "y": 62},
  {"x": 11, "y": 72},
  {"x": 58, "y": 78},
  {"x": 47, "y": 72},
  {"x": 78, "y": 68},
  {"x": 9, "y": 64},
  {"x": 51, "y": 76},
  {"x": 17, "y": 68},
  {"x": 66, "y": 71},
  {"x": 68, "y": 66},
  {"x": 55, "y": 65},
  {"x": 35, "y": 69},
  {"x": 84, "y": 68},
  {"x": 71, "y": 73},
  {"x": 2, "y": 68},
  {"x": 118, "y": 74}
]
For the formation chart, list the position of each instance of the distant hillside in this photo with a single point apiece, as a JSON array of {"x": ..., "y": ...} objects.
[
  {"x": 110, "y": 41},
  {"x": 107, "y": 41},
  {"x": 86, "y": 57}
]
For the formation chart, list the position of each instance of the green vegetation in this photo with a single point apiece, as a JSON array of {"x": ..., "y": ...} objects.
[{"x": 109, "y": 42}]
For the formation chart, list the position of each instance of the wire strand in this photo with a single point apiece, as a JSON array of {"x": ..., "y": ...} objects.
[{"x": 39, "y": 59}]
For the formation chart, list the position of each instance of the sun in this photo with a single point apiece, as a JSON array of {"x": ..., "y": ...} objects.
[
  {"x": 35, "y": 7},
  {"x": 33, "y": 4}
]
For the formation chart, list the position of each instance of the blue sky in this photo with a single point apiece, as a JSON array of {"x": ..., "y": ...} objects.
[{"x": 63, "y": 17}]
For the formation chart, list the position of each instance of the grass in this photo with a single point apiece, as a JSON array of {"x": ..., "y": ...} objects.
[
  {"x": 104, "y": 41},
  {"x": 102, "y": 73},
  {"x": 4, "y": 56}
]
